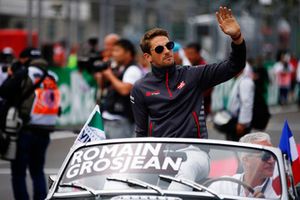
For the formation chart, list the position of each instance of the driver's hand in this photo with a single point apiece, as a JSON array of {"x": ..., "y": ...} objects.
[
  {"x": 229, "y": 24},
  {"x": 258, "y": 194}
]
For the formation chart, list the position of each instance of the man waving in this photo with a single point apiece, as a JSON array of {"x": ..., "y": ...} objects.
[{"x": 167, "y": 102}]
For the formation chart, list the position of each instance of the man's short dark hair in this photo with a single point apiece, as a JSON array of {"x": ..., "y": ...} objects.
[
  {"x": 149, "y": 35},
  {"x": 194, "y": 45},
  {"x": 127, "y": 46}
]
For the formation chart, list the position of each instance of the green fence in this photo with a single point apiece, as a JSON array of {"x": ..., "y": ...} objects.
[{"x": 78, "y": 96}]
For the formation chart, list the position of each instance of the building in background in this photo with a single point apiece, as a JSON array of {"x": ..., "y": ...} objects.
[{"x": 266, "y": 22}]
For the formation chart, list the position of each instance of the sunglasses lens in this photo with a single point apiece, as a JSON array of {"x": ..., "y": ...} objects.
[
  {"x": 159, "y": 49},
  {"x": 170, "y": 45},
  {"x": 266, "y": 156}
]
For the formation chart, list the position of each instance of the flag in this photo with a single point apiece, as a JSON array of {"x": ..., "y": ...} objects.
[
  {"x": 288, "y": 146},
  {"x": 276, "y": 183},
  {"x": 93, "y": 129}
]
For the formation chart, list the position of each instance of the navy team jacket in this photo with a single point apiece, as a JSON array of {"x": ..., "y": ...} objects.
[{"x": 168, "y": 101}]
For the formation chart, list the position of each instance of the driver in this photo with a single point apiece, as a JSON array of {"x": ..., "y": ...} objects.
[{"x": 258, "y": 172}]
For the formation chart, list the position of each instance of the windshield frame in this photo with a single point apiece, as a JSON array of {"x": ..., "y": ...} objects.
[{"x": 223, "y": 143}]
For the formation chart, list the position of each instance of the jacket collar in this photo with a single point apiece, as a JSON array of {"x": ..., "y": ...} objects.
[{"x": 161, "y": 72}]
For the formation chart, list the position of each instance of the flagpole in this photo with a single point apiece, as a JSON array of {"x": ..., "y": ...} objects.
[
  {"x": 287, "y": 145},
  {"x": 290, "y": 174}
]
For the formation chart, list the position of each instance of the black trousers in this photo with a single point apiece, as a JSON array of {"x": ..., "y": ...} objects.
[{"x": 31, "y": 152}]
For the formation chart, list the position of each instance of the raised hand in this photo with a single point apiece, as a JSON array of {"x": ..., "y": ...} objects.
[{"x": 229, "y": 25}]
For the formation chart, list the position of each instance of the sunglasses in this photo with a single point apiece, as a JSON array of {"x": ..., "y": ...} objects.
[
  {"x": 266, "y": 156},
  {"x": 159, "y": 49}
]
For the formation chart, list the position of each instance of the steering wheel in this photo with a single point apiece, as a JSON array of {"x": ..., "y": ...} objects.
[{"x": 230, "y": 179}]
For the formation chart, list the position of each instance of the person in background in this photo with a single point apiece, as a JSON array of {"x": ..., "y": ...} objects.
[
  {"x": 106, "y": 56},
  {"x": 293, "y": 62},
  {"x": 28, "y": 55},
  {"x": 93, "y": 50},
  {"x": 240, "y": 105},
  {"x": 193, "y": 53},
  {"x": 258, "y": 171},
  {"x": 179, "y": 55},
  {"x": 143, "y": 63},
  {"x": 59, "y": 54},
  {"x": 260, "y": 77},
  {"x": 47, "y": 53},
  {"x": 109, "y": 42},
  {"x": 177, "y": 58},
  {"x": 116, "y": 110},
  {"x": 72, "y": 59},
  {"x": 283, "y": 72},
  {"x": 37, "y": 99}
]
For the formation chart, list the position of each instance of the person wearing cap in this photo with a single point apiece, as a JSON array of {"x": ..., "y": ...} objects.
[
  {"x": 38, "y": 106},
  {"x": 258, "y": 172},
  {"x": 167, "y": 102},
  {"x": 17, "y": 72},
  {"x": 29, "y": 54},
  {"x": 179, "y": 55}
]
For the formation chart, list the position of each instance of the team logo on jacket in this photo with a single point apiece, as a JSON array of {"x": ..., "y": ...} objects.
[
  {"x": 180, "y": 85},
  {"x": 149, "y": 93}
]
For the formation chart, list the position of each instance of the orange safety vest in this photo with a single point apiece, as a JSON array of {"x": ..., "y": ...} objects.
[{"x": 46, "y": 104}]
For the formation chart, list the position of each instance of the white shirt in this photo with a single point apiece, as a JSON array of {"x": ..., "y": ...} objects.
[
  {"x": 231, "y": 188},
  {"x": 283, "y": 76},
  {"x": 132, "y": 74},
  {"x": 241, "y": 99}
]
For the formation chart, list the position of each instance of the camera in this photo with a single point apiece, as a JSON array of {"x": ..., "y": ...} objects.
[{"x": 92, "y": 64}]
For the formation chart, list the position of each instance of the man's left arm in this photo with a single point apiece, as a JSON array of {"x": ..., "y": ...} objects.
[{"x": 213, "y": 74}]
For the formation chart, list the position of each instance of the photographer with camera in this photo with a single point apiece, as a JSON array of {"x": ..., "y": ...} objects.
[
  {"x": 28, "y": 117},
  {"x": 116, "y": 109}
]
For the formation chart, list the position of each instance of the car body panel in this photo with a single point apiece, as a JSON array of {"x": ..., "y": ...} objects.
[{"x": 215, "y": 166}]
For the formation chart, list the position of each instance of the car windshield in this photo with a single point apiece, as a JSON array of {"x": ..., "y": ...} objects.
[{"x": 169, "y": 166}]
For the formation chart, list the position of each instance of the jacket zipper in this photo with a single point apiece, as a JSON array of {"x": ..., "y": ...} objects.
[
  {"x": 167, "y": 84},
  {"x": 150, "y": 129},
  {"x": 197, "y": 123}
]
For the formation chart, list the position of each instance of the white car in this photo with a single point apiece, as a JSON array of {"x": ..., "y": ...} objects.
[{"x": 170, "y": 169}]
